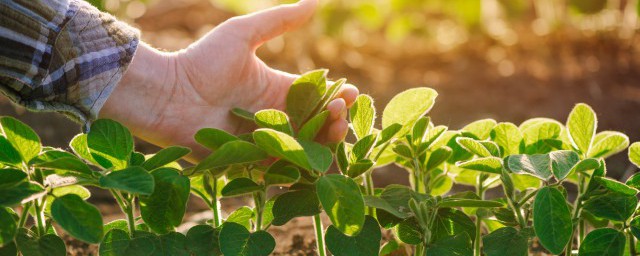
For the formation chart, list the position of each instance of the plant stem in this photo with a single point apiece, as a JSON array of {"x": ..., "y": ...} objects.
[
  {"x": 215, "y": 205},
  {"x": 417, "y": 174},
  {"x": 258, "y": 198},
  {"x": 317, "y": 225},
  {"x": 632, "y": 244},
  {"x": 40, "y": 222},
  {"x": 369, "y": 189},
  {"x": 480, "y": 192},
  {"x": 131, "y": 222},
  {"x": 419, "y": 251},
  {"x": 24, "y": 215}
]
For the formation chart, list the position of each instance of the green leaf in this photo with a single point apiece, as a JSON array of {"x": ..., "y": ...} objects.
[
  {"x": 406, "y": 107},
  {"x": 330, "y": 94},
  {"x": 363, "y": 147},
  {"x": 295, "y": 203},
  {"x": 538, "y": 165},
  {"x": 237, "y": 240},
  {"x": 608, "y": 143},
  {"x": 635, "y": 227},
  {"x": 305, "y": 94},
  {"x": 634, "y": 153},
  {"x": 213, "y": 138},
  {"x": 79, "y": 146},
  {"x": 473, "y": 147},
  {"x": 202, "y": 240},
  {"x": 120, "y": 224},
  {"x": 389, "y": 247},
  {"x": 419, "y": 130},
  {"x": 29, "y": 244},
  {"x": 616, "y": 186},
  {"x": 72, "y": 164},
  {"x": 78, "y": 218},
  {"x": 505, "y": 241},
  {"x": 585, "y": 165},
  {"x": 541, "y": 135},
  {"x": 603, "y": 242},
  {"x": 164, "y": 208},
  {"x": 118, "y": 243},
  {"x": 562, "y": 162},
  {"x": 456, "y": 202},
  {"x": 319, "y": 156},
  {"x": 508, "y": 137},
  {"x": 486, "y": 164},
  {"x": 274, "y": 119},
  {"x": 633, "y": 181},
  {"x": 408, "y": 231},
  {"x": 450, "y": 222},
  {"x": 438, "y": 157},
  {"x": 311, "y": 128},
  {"x": 281, "y": 145},
  {"x": 9, "y": 250},
  {"x": 481, "y": 128},
  {"x": 11, "y": 177},
  {"x": 280, "y": 173},
  {"x": 362, "y": 115},
  {"x": 612, "y": 206},
  {"x": 8, "y": 225},
  {"x": 110, "y": 143},
  {"x": 342, "y": 201},
  {"x": 242, "y": 216},
  {"x": 388, "y": 133},
  {"x": 240, "y": 186},
  {"x": 20, "y": 193},
  {"x": 458, "y": 245},
  {"x": 172, "y": 244},
  {"x": 165, "y": 156},
  {"x": 22, "y": 137},
  {"x": 243, "y": 113},
  {"x": 552, "y": 219},
  {"x": 342, "y": 160},
  {"x": 359, "y": 167},
  {"x": 234, "y": 152},
  {"x": 78, "y": 190},
  {"x": 394, "y": 199},
  {"x": 367, "y": 242},
  {"x": 582, "y": 124},
  {"x": 133, "y": 180},
  {"x": 8, "y": 154}
]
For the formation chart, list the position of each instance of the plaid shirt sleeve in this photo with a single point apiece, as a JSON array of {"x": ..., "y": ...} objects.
[{"x": 62, "y": 55}]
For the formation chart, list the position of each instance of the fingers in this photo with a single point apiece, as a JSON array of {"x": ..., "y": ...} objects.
[
  {"x": 349, "y": 93},
  {"x": 267, "y": 24},
  {"x": 337, "y": 109},
  {"x": 337, "y": 131}
]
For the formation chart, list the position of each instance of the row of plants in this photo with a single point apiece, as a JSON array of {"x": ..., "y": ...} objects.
[{"x": 551, "y": 178}]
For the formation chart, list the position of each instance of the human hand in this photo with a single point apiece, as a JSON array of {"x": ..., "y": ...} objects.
[{"x": 165, "y": 98}]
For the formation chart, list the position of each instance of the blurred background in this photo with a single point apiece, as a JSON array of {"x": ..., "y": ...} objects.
[{"x": 510, "y": 60}]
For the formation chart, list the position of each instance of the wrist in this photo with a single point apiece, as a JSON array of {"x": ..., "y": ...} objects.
[{"x": 143, "y": 90}]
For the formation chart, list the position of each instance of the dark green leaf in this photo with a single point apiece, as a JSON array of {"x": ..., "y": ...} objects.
[
  {"x": 240, "y": 186},
  {"x": 164, "y": 208},
  {"x": 616, "y": 186},
  {"x": 362, "y": 115},
  {"x": 237, "y": 240},
  {"x": 342, "y": 160},
  {"x": 394, "y": 199},
  {"x": 11, "y": 177},
  {"x": 408, "y": 231},
  {"x": 562, "y": 162},
  {"x": 362, "y": 148},
  {"x": 455, "y": 202},
  {"x": 8, "y": 225},
  {"x": 292, "y": 204},
  {"x": 47, "y": 245},
  {"x": 22, "y": 137},
  {"x": 243, "y": 113},
  {"x": 202, "y": 240},
  {"x": 8, "y": 154},
  {"x": 458, "y": 245},
  {"x": 505, "y": 241},
  {"x": 633, "y": 181},
  {"x": 437, "y": 157},
  {"x": 319, "y": 156},
  {"x": 552, "y": 219},
  {"x": 388, "y": 133},
  {"x": 213, "y": 138},
  {"x": 66, "y": 163},
  {"x": 359, "y": 167},
  {"x": 20, "y": 193},
  {"x": 367, "y": 242},
  {"x": 9, "y": 249},
  {"x": 280, "y": 173},
  {"x": 118, "y": 243},
  {"x": 450, "y": 222},
  {"x": 165, "y": 156},
  {"x": 134, "y": 180},
  {"x": 603, "y": 242},
  {"x": 110, "y": 143},
  {"x": 234, "y": 152},
  {"x": 611, "y": 205},
  {"x": 242, "y": 216},
  {"x": 78, "y": 218},
  {"x": 342, "y": 201},
  {"x": 173, "y": 244}
]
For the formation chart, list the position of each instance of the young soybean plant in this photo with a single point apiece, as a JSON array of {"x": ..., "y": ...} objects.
[
  {"x": 281, "y": 152},
  {"x": 154, "y": 181},
  {"x": 47, "y": 184}
]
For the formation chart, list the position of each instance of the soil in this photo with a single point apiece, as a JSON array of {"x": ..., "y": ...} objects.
[{"x": 538, "y": 76}]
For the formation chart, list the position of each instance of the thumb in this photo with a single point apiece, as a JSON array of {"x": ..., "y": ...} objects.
[{"x": 266, "y": 24}]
